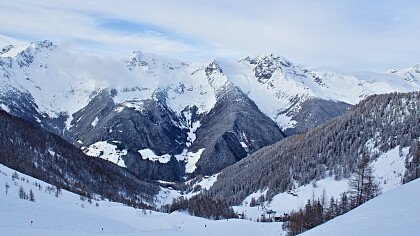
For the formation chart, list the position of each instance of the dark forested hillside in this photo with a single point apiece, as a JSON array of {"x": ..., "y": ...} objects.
[
  {"x": 331, "y": 149},
  {"x": 47, "y": 157}
]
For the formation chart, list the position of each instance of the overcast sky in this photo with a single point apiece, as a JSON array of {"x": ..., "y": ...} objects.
[{"x": 349, "y": 35}]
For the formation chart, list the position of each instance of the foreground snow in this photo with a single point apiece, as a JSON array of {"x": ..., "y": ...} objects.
[
  {"x": 388, "y": 169},
  {"x": 67, "y": 214},
  {"x": 394, "y": 213}
]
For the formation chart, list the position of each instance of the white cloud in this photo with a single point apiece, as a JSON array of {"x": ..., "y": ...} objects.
[{"x": 351, "y": 34}]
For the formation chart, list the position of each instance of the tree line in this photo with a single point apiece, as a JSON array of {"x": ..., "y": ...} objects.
[
  {"x": 362, "y": 188},
  {"x": 202, "y": 206}
]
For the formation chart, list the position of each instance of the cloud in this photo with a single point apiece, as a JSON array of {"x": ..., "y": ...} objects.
[{"x": 345, "y": 34}]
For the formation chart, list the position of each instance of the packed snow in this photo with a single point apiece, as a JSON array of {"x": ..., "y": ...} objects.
[
  {"x": 69, "y": 214},
  {"x": 393, "y": 213}
]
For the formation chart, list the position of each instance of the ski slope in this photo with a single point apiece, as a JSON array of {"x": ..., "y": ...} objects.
[
  {"x": 396, "y": 212},
  {"x": 67, "y": 214}
]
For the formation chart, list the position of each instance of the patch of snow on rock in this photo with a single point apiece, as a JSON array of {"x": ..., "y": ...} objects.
[
  {"x": 148, "y": 154},
  {"x": 192, "y": 159},
  {"x": 106, "y": 151},
  {"x": 95, "y": 121}
]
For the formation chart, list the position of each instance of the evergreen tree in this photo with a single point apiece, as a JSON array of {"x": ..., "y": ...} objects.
[
  {"x": 7, "y": 188},
  {"x": 344, "y": 205},
  {"x": 332, "y": 210},
  {"x": 31, "y": 196},
  {"x": 22, "y": 193},
  {"x": 15, "y": 176}
]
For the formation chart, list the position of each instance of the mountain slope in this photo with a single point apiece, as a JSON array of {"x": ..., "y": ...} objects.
[
  {"x": 159, "y": 117},
  {"x": 393, "y": 213},
  {"x": 279, "y": 86},
  {"x": 30, "y": 150},
  {"x": 71, "y": 214},
  {"x": 232, "y": 129},
  {"x": 376, "y": 125}
]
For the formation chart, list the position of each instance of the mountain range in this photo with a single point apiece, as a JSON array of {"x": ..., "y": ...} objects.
[{"x": 165, "y": 119}]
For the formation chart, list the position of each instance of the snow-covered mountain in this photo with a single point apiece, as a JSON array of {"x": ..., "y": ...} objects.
[
  {"x": 163, "y": 118},
  {"x": 283, "y": 176},
  {"x": 28, "y": 149},
  {"x": 411, "y": 74}
]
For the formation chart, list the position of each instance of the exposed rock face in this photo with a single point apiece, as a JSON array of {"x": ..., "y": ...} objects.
[
  {"x": 45, "y": 156},
  {"x": 166, "y": 119},
  {"x": 231, "y": 130},
  {"x": 315, "y": 112},
  {"x": 151, "y": 125},
  {"x": 374, "y": 126}
]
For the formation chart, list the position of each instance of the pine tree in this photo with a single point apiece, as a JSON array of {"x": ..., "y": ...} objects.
[
  {"x": 332, "y": 210},
  {"x": 57, "y": 191},
  {"x": 31, "y": 196},
  {"x": 15, "y": 176},
  {"x": 22, "y": 193},
  {"x": 344, "y": 205},
  {"x": 7, "y": 188}
]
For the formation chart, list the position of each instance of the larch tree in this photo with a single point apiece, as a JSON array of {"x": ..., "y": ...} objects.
[{"x": 362, "y": 183}]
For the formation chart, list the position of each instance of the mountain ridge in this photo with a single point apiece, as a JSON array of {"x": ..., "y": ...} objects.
[{"x": 52, "y": 87}]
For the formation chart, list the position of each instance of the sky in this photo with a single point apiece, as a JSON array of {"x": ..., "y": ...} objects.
[{"x": 347, "y": 35}]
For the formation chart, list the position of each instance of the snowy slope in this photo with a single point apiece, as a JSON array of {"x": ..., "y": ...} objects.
[
  {"x": 393, "y": 213},
  {"x": 388, "y": 169},
  {"x": 409, "y": 74},
  {"x": 279, "y": 86},
  {"x": 67, "y": 214},
  {"x": 59, "y": 82}
]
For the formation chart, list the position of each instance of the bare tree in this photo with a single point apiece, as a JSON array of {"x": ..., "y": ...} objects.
[{"x": 362, "y": 184}]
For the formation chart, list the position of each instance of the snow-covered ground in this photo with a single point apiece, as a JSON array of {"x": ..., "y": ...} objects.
[
  {"x": 396, "y": 212},
  {"x": 388, "y": 169},
  {"x": 67, "y": 214},
  {"x": 167, "y": 195},
  {"x": 294, "y": 199},
  {"x": 106, "y": 151}
]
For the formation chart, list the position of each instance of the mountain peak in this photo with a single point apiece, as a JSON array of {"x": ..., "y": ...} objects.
[
  {"x": 136, "y": 59},
  {"x": 213, "y": 67},
  {"x": 6, "y": 49},
  {"x": 43, "y": 44},
  {"x": 266, "y": 58},
  {"x": 411, "y": 74}
]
